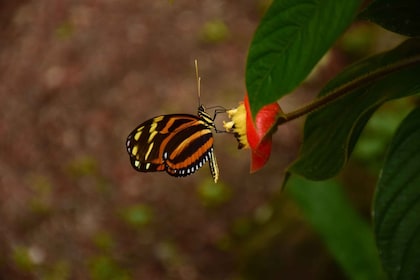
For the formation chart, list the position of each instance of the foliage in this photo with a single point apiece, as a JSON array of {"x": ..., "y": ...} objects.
[
  {"x": 290, "y": 40},
  {"x": 321, "y": 203},
  {"x": 397, "y": 202},
  {"x": 289, "y": 35},
  {"x": 323, "y": 156}
]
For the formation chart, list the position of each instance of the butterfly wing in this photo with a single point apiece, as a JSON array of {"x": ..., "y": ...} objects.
[{"x": 179, "y": 144}]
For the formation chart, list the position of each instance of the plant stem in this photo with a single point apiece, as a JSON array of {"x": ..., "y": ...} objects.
[{"x": 345, "y": 89}]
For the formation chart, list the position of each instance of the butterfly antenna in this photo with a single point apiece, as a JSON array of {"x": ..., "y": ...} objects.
[{"x": 198, "y": 81}]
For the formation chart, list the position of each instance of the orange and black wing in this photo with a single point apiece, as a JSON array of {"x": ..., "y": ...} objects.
[{"x": 179, "y": 144}]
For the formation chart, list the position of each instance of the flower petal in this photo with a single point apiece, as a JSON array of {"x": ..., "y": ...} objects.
[
  {"x": 265, "y": 120},
  {"x": 259, "y": 135},
  {"x": 260, "y": 156}
]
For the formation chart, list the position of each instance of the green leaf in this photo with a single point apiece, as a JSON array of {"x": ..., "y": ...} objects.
[
  {"x": 397, "y": 203},
  {"x": 331, "y": 133},
  {"x": 348, "y": 237},
  {"x": 400, "y": 16},
  {"x": 291, "y": 38}
]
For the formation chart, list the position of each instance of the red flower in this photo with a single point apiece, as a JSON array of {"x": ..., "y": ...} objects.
[{"x": 258, "y": 134}]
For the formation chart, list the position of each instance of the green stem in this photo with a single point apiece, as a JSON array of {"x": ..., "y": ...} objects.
[{"x": 346, "y": 89}]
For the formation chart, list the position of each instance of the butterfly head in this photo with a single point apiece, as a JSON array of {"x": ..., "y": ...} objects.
[
  {"x": 205, "y": 116},
  {"x": 201, "y": 110}
]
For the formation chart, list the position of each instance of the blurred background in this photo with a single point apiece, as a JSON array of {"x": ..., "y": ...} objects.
[{"x": 77, "y": 76}]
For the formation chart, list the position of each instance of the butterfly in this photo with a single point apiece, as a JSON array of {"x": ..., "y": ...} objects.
[{"x": 179, "y": 144}]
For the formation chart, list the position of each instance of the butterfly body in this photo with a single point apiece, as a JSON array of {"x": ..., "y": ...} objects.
[{"x": 179, "y": 144}]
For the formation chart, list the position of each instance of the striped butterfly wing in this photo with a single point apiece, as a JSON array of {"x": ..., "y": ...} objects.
[{"x": 179, "y": 144}]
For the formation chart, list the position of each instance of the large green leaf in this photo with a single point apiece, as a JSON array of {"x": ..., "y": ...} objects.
[
  {"x": 348, "y": 237},
  {"x": 400, "y": 16},
  {"x": 331, "y": 133},
  {"x": 397, "y": 203},
  {"x": 291, "y": 38}
]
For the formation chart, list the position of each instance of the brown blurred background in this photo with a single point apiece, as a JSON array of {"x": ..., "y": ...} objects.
[{"x": 75, "y": 78}]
